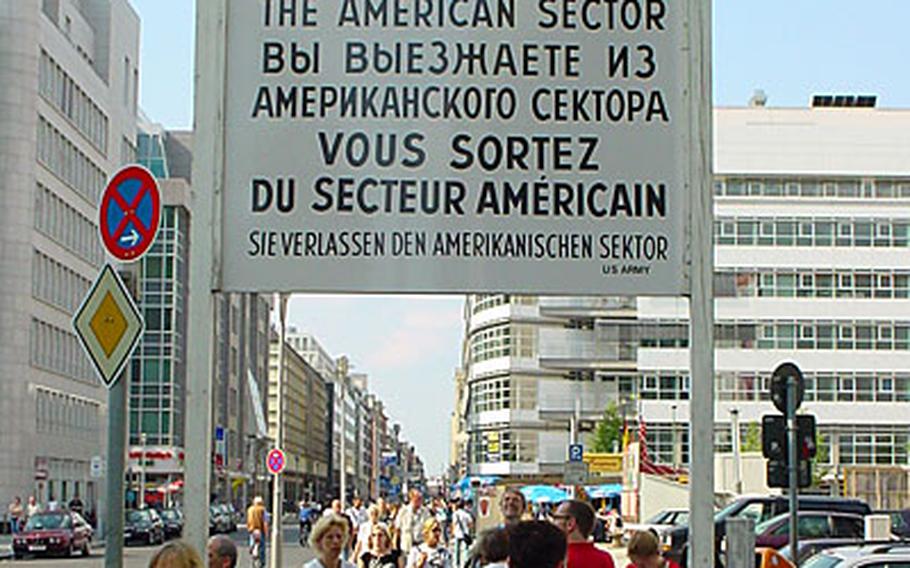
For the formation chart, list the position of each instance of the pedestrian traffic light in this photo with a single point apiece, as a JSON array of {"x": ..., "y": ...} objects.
[
  {"x": 779, "y": 474},
  {"x": 774, "y": 448},
  {"x": 774, "y": 436}
]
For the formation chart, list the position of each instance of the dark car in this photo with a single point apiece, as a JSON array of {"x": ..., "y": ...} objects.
[
  {"x": 143, "y": 526},
  {"x": 230, "y": 516},
  {"x": 62, "y": 533},
  {"x": 760, "y": 508},
  {"x": 900, "y": 522},
  {"x": 173, "y": 523},
  {"x": 775, "y": 532},
  {"x": 219, "y": 520}
]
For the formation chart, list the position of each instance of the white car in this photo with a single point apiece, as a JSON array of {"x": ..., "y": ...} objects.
[
  {"x": 659, "y": 523},
  {"x": 896, "y": 555}
]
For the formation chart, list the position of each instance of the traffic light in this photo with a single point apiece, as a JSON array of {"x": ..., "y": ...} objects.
[
  {"x": 779, "y": 474},
  {"x": 774, "y": 448}
]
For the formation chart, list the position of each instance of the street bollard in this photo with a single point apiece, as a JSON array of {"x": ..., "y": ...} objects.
[{"x": 740, "y": 543}]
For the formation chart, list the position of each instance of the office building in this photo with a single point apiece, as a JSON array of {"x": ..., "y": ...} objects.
[
  {"x": 812, "y": 229},
  {"x": 70, "y": 74},
  {"x": 305, "y": 415}
]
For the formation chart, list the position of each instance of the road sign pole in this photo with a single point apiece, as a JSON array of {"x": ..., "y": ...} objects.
[
  {"x": 205, "y": 238},
  {"x": 701, "y": 274},
  {"x": 277, "y": 493},
  {"x": 116, "y": 446},
  {"x": 792, "y": 381}
]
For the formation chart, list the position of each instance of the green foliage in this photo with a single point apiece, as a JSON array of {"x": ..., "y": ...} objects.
[
  {"x": 820, "y": 467},
  {"x": 608, "y": 431},
  {"x": 751, "y": 442}
]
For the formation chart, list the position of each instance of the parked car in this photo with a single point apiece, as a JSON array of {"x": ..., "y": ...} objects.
[
  {"x": 775, "y": 532},
  {"x": 664, "y": 520},
  {"x": 889, "y": 555},
  {"x": 173, "y": 523},
  {"x": 230, "y": 516},
  {"x": 809, "y": 548},
  {"x": 143, "y": 526},
  {"x": 900, "y": 522},
  {"x": 62, "y": 533},
  {"x": 675, "y": 542},
  {"x": 770, "y": 558},
  {"x": 220, "y": 520}
]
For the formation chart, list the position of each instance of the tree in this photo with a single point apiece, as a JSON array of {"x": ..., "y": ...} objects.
[
  {"x": 820, "y": 465},
  {"x": 608, "y": 433},
  {"x": 751, "y": 442}
]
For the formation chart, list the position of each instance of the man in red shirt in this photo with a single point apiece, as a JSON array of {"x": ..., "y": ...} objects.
[{"x": 576, "y": 519}]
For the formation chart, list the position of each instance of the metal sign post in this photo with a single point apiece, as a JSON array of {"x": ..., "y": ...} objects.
[
  {"x": 277, "y": 492},
  {"x": 116, "y": 446},
  {"x": 701, "y": 300},
  {"x": 208, "y": 165},
  {"x": 792, "y": 388}
]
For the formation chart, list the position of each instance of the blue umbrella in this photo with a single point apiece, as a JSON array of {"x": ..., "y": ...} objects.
[
  {"x": 603, "y": 491},
  {"x": 544, "y": 494},
  {"x": 465, "y": 482}
]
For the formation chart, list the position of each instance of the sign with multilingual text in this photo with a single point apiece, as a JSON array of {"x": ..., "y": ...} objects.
[{"x": 456, "y": 146}]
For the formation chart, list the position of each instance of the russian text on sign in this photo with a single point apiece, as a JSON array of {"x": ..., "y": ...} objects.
[{"x": 448, "y": 140}]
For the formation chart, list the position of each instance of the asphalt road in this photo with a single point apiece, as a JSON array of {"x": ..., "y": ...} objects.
[{"x": 139, "y": 556}]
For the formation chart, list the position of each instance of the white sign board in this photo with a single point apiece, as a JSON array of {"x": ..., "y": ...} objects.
[
  {"x": 96, "y": 467},
  {"x": 456, "y": 146}
]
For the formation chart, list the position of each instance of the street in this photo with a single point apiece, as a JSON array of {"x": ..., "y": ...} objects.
[{"x": 139, "y": 556}]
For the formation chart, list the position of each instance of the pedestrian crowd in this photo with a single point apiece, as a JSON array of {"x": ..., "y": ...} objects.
[{"x": 417, "y": 534}]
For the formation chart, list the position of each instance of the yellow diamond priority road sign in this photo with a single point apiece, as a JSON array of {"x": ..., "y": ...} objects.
[{"x": 108, "y": 325}]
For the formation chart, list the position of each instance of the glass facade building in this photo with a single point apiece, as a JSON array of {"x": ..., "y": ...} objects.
[{"x": 158, "y": 373}]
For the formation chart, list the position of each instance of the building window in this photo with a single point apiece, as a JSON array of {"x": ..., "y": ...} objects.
[
  {"x": 483, "y": 302},
  {"x": 491, "y": 343},
  {"x": 62, "y": 92}
]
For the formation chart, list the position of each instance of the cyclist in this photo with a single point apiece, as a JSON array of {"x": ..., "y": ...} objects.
[
  {"x": 258, "y": 527},
  {"x": 307, "y": 515}
]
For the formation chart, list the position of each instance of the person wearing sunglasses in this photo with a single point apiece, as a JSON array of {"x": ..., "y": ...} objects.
[{"x": 431, "y": 553}]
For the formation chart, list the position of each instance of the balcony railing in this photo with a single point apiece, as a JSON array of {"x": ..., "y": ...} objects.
[
  {"x": 558, "y": 397},
  {"x": 585, "y": 348},
  {"x": 593, "y": 306}
]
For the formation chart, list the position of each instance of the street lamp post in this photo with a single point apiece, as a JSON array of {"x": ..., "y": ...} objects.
[
  {"x": 675, "y": 441},
  {"x": 737, "y": 459},
  {"x": 142, "y": 441}
]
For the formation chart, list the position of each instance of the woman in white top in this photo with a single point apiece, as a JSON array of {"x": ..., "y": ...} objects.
[
  {"x": 328, "y": 538},
  {"x": 364, "y": 531},
  {"x": 431, "y": 553}
]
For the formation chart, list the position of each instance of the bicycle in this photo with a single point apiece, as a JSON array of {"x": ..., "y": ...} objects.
[
  {"x": 257, "y": 556},
  {"x": 304, "y": 536}
]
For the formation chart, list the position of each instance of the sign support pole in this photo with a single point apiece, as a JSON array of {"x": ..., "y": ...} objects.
[
  {"x": 116, "y": 445},
  {"x": 794, "y": 463},
  {"x": 277, "y": 493},
  {"x": 701, "y": 274},
  {"x": 205, "y": 238}
]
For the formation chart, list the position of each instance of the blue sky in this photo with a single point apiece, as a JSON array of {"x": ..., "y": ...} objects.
[{"x": 410, "y": 346}]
